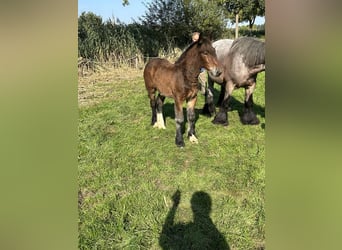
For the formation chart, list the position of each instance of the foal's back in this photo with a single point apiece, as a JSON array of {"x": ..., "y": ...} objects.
[{"x": 161, "y": 75}]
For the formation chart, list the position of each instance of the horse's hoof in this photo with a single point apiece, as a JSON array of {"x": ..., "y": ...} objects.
[
  {"x": 179, "y": 141},
  {"x": 220, "y": 123},
  {"x": 255, "y": 122},
  {"x": 205, "y": 110},
  {"x": 208, "y": 110},
  {"x": 219, "y": 120},
  {"x": 248, "y": 119},
  {"x": 193, "y": 139},
  {"x": 207, "y": 114},
  {"x": 158, "y": 125}
]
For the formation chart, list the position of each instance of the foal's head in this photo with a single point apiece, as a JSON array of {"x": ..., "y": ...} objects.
[{"x": 207, "y": 56}]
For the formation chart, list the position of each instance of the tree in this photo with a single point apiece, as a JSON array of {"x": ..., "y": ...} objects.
[
  {"x": 168, "y": 21},
  {"x": 244, "y": 10},
  {"x": 173, "y": 21},
  {"x": 253, "y": 9},
  {"x": 207, "y": 17}
]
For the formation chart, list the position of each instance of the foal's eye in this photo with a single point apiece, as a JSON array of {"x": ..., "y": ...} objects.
[{"x": 205, "y": 53}]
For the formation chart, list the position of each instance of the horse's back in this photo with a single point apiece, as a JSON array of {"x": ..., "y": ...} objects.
[
  {"x": 247, "y": 59},
  {"x": 222, "y": 48},
  {"x": 156, "y": 64},
  {"x": 223, "y": 44},
  {"x": 252, "y": 50},
  {"x": 152, "y": 67},
  {"x": 160, "y": 74}
]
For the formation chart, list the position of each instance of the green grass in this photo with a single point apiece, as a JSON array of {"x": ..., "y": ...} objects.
[{"x": 128, "y": 172}]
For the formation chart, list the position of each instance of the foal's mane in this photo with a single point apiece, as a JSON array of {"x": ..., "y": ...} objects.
[{"x": 185, "y": 53}]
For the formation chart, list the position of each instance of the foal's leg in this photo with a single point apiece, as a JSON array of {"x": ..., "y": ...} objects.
[
  {"x": 159, "y": 107},
  {"x": 209, "y": 107},
  {"x": 191, "y": 119},
  {"x": 222, "y": 116},
  {"x": 151, "y": 95},
  {"x": 248, "y": 116},
  {"x": 179, "y": 118}
]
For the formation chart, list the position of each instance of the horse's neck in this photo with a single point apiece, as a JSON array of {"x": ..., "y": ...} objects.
[
  {"x": 191, "y": 73},
  {"x": 191, "y": 69}
]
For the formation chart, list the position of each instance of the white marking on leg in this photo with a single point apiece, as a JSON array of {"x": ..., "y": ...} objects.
[
  {"x": 193, "y": 139},
  {"x": 160, "y": 121}
]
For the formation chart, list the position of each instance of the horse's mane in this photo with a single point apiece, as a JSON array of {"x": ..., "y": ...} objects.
[
  {"x": 182, "y": 56},
  {"x": 251, "y": 49},
  {"x": 201, "y": 40}
]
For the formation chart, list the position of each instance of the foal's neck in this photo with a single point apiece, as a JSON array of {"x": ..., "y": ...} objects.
[
  {"x": 191, "y": 73},
  {"x": 190, "y": 65}
]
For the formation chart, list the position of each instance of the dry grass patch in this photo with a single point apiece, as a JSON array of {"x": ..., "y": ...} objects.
[{"x": 95, "y": 87}]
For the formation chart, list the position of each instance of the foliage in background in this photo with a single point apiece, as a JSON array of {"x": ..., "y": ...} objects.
[
  {"x": 104, "y": 41},
  {"x": 247, "y": 10},
  {"x": 168, "y": 20},
  {"x": 165, "y": 26},
  {"x": 90, "y": 29},
  {"x": 257, "y": 31},
  {"x": 207, "y": 17},
  {"x": 173, "y": 21}
]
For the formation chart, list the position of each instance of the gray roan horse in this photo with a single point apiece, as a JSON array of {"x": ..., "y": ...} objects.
[
  {"x": 241, "y": 60},
  {"x": 180, "y": 82}
]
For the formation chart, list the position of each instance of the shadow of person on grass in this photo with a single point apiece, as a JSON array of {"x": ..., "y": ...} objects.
[{"x": 199, "y": 234}]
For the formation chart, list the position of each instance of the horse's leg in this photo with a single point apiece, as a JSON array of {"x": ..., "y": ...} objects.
[
  {"x": 248, "y": 116},
  {"x": 151, "y": 95},
  {"x": 179, "y": 118},
  {"x": 221, "y": 97},
  {"x": 191, "y": 116},
  {"x": 159, "y": 107},
  {"x": 222, "y": 116},
  {"x": 209, "y": 107},
  {"x": 202, "y": 81}
]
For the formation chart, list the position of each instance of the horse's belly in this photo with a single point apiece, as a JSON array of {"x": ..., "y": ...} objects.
[{"x": 165, "y": 91}]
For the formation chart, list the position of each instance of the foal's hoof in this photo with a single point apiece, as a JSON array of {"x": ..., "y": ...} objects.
[
  {"x": 193, "y": 139},
  {"x": 158, "y": 125}
]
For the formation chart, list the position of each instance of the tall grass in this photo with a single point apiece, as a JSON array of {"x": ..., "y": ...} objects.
[
  {"x": 128, "y": 172},
  {"x": 105, "y": 41}
]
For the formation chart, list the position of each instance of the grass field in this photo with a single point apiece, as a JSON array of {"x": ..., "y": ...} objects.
[{"x": 129, "y": 172}]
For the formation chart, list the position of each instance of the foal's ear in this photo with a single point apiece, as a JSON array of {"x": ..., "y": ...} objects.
[{"x": 200, "y": 39}]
